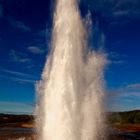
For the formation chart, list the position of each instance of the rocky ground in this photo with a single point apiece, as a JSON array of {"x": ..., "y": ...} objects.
[
  {"x": 23, "y": 133},
  {"x": 21, "y": 127}
]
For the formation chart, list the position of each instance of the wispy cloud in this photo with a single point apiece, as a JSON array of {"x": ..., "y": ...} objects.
[
  {"x": 117, "y": 12},
  {"x": 40, "y": 42},
  {"x": 16, "y": 107},
  {"x": 35, "y": 50},
  {"x": 117, "y": 62},
  {"x": 122, "y": 99},
  {"x": 123, "y": 8},
  {"x": 115, "y": 58},
  {"x": 18, "y": 77},
  {"x": 20, "y": 25},
  {"x": 125, "y": 91},
  {"x": 16, "y": 73},
  {"x": 14, "y": 103},
  {"x": 114, "y": 55},
  {"x": 121, "y": 12},
  {"x": 41, "y": 33},
  {"x": 24, "y": 81},
  {"x": 18, "y": 80},
  {"x": 122, "y": 93},
  {"x": 19, "y": 57},
  {"x": 134, "y": 86}
]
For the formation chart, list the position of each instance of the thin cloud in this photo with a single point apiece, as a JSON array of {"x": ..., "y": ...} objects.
[
  {"x": 121, "y": 13},
  {"x": 16, "y": 107},
  {"x": 134, "y": 86},
  {"x": 16, "y": 73},
  {"x": 24, "y": 81},
  {"x": 13, "y": 103},
  {"x": 41, "y": 33},
  {"x": 117, "y": 62},
  {"x": 18, "y": 80},
  {"x": 20, "y": 25},
  {"x": 18, "y": 77},
  {"x": 123, "y": 8},
  {"x": 19, "y": 57},
  {"x": 128, "y": 90},
  {"x": 35, "y": 50},
  {"x": 115, "y": 58},
  {"x": 123, "y": 99},
  {"x": 115, "y": 10}
]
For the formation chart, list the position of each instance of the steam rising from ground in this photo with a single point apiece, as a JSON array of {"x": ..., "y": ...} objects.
[{"x": 71, "y": 90}]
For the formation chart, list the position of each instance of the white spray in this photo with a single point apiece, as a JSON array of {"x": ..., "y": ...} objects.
[{"x": 71, "y": 90}]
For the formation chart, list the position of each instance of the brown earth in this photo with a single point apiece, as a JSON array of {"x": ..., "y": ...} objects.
[
  {"x": 128, "y": 128},
  {"x": 13, "y": 127}
]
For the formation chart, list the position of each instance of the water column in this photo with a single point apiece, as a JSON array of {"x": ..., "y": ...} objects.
[{"x": 71, "y": 90}]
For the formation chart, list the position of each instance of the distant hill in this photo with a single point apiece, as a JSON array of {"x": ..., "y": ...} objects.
[
  {"x": 12, "y": 119},
  {"x": 128, "y": 117}
]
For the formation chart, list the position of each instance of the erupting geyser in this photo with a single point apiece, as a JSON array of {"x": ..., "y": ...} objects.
[{"x": 71, "y": 90}]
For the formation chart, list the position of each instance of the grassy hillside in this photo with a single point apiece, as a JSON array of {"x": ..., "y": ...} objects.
[
  {"x": 117, "y": 118},
  {"x": 9, "y": 120},
  {"x": 129, "y": 117}
]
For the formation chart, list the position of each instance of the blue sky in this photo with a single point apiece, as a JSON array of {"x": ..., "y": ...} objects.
[{"x": 25, "y": 32}]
